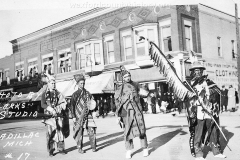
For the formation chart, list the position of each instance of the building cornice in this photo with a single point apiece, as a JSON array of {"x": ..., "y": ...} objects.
[{"x": 64, "y": 24}]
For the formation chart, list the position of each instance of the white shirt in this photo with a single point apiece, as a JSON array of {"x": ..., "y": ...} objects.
[{"x": 199, "y": 87}]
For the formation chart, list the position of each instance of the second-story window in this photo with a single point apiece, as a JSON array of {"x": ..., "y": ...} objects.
[
  {"x": 7, "y": 77},
  {"x": 89, "y": 53},
  {"x": 148, "y": 30},
  {"x": 188, "y": 35},
  {"x": 47, "y": 64},
  {"x": 32, "y": 67},
  {"x": 19, "y": 70},
  {"x": 109, "y": 41},
  {"x": 81, "y": 58},
  {"x": 97, "y": 53},
  {"x": 127, "y": 44},
  {"x": 234, "y": 54},
  {"x": 166, "y": 36},
  {"x": 64, "y": 60},
  {"x": 219, "y": 46},
  {"x": 1, "y": 76}
]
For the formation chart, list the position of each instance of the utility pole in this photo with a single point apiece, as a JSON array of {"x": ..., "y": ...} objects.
[{"x": 238, "y": 46}]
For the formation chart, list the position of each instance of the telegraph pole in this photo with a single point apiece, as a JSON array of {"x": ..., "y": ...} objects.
[{"x": 238, "y": 46}]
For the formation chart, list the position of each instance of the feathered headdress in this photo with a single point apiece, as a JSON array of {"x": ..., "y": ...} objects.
[{"x": 124, "y": 71}]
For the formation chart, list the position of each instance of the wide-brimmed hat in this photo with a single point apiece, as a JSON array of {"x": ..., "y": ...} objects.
[
  {"x": 197, "y": 65},
  {"x": 79, "y": 77}
]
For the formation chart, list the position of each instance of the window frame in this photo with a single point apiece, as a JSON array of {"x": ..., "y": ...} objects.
[
  {"x": 1, "y": 76},
  {"x": 48, "y": 62},
  {"x": 165, "y": 24},
  {"x": 21, "y": 64},
  {"x": 83, "y": 45},
  {"x": 233, "y": 42},
  {"x": 32, "y": 65},
  {"x": 219, "y": 48},
  {"x": 5, "y": 72},
  {"x": 64, "y": 59},
  {"x": 188, "y": 23},
  {"x": 108, "y": 39},
  {"x": 124, "y": 34},
  {"x": 145, "y": 27}
]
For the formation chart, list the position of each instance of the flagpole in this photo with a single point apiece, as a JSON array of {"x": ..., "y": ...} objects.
[{"x": 238, "y": 46}]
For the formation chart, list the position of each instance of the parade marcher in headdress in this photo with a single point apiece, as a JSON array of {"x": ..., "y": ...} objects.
[
  {"x": 81, "y": 105},
  {"x": 54, "y": 104},
  {"x": 203, "y": 122},
  {"x": 129, "y": 111}
]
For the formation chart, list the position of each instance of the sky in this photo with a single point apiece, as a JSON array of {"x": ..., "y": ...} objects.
[{"x": 21, "y": 17}]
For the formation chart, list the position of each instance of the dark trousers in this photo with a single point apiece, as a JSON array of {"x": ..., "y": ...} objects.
[
  {"x": 92, "y": 138},
  {"x": 225, "y": 106},
  {"x": 202, "y": 127},
  {"x": 224, "y": 103}
]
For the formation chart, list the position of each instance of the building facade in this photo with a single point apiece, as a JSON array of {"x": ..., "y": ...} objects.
[
  {"x": 219, "y": 46},
  {"x": 98, "y": 41}
]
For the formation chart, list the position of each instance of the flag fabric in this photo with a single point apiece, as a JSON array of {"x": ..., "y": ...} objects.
[
  {"x": 166, "y": 67},
  {"x": 192, "y": 56}
]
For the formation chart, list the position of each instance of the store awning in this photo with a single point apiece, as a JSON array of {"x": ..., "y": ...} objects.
[
  {"x": 147, "y": 75},
  {"x": 64, "y": 85},
  {"x": 70, "y": 88},
  {"x": 38, "y": 95},
  {"x": 22, "y": 98},
  {"x": 102, "y": 83}
]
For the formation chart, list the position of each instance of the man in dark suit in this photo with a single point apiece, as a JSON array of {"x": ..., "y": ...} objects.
[{"x": 224, "y": 98}]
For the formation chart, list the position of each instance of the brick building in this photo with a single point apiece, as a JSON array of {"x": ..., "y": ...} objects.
[{"x": 98, "y": 41}]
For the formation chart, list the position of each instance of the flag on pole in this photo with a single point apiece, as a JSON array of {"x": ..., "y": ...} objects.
[{"x": 166, "y": 67}]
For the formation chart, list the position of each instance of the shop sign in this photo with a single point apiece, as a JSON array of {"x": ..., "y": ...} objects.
[{"x": 222, "y": 73}]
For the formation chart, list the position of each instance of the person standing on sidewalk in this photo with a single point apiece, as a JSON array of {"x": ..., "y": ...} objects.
[
  {"x": 153, "y": 103},
  {"x": 81, "y": 104},
  {"x": 129, "y": 110},
  {"x": 224, "y": 98},
  {"x": 54, "y": 104},
  {"x": 100, "y": 109},
  {"x": 231, "y": 98}
]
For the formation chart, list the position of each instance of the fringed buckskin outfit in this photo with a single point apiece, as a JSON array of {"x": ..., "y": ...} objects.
[{"x": 54, "y": 100}]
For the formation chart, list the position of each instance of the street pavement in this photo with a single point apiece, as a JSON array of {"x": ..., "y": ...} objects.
[{"x": 167, "y": 135}]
